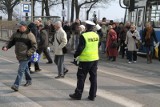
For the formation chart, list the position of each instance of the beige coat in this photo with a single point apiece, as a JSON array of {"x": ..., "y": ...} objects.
[
  {"x": 131, "y": 42},
  {"x": 62, "y": 38}
]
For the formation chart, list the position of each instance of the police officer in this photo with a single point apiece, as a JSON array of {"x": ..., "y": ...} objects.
[{"x": 87, "y": 52}]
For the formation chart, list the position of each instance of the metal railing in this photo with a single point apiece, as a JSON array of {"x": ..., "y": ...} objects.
[{"x": 6, "y": 29}]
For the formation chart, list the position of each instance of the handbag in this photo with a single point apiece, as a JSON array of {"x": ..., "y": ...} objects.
[
  {"x": 138, "y": 44},
  {"x": 114, "y": 44},
  {"x": 64, "y": 49}
]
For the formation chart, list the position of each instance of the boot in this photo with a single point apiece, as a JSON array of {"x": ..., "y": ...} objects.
[
  {"x": 75, "y": 96},
  {"x": 114, "y": 58},
  {"x": 150, "y": 58}
]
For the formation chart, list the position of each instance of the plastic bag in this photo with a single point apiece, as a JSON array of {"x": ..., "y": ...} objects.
[
  {"x": 35, "y": 57},
  {"x": 156, "y": 52}
]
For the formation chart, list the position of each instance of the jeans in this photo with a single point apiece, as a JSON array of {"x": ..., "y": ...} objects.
[
  {"x": 149, "y": 50},
  {"x": 76, "y": 41},
  {"x": 23, "y": 68},
  {"x": 103, "y": 46}
]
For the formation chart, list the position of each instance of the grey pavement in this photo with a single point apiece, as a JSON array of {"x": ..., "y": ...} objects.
[{"x": 119, "y": 84}]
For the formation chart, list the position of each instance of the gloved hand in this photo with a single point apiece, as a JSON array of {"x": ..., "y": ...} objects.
[
  {"x": 75, "y": 61},
  {"x": 133, "y": 37},
  {"x": 157, "y": 44}
]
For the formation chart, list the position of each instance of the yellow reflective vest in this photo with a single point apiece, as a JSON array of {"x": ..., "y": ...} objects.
[{"x": 90, "y": 52}]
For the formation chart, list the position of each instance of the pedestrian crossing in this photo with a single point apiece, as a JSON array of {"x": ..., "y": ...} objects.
[
  {"x": 9, "y": 98},
  {"x": 17, "y": 99}
]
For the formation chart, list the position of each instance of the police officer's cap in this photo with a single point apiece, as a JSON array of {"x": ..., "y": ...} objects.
[{"x": 90, "y": 23}]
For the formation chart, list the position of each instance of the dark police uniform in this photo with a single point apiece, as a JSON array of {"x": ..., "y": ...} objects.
[{"x": 87, "y": 52}]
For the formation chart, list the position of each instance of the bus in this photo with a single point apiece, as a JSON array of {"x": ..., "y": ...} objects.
[{"x": 139, "y": 12}]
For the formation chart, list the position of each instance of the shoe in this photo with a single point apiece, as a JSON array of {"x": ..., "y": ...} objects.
[
  {"x": 31, "y": 72},
  {"x": 134, "y": 61},
  {"x": 91, "y": 98},
  {"x": 75, "y": 96},
  {"x": 50, "y": 62},
  {"x": 27, "y": 84},
  {"x": 14, "y": 88},
  {"x": 59, "y": 76},
  {"x": 65, "y": 72},
  {"x": 37, "y": 70},
  {"x": 129, "y": 62},
  {"x": 113, "y": 60}
]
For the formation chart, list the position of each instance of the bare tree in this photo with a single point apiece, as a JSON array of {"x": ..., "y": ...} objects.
[
  {"x": 87, "y": 12},
  {"x": 78, "y": 6},
  {"x": 8, "y": 7},
  {"x": 90, "y": 4},
  {"x": 47, "y": 4},
  {"x": 72, "y": 10}
]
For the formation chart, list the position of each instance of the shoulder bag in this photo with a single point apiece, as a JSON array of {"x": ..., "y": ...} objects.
[{"x": 64, "y": 49}]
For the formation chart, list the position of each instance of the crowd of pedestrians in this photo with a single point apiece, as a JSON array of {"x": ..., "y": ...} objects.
[{"x": 87, "y": 40}]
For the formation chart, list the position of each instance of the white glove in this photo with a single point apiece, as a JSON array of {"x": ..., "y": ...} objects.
[
  {"x": 154, "y": 43},
  {"x": 157, "y": 44},
  {"x": 77, "y": 60}
]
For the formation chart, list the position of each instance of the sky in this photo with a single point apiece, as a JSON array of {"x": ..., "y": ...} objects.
[
  {"x": 111, "y": 12},
  {"x": 114, "y": 11}
]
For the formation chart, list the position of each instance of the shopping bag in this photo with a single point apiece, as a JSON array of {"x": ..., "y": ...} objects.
[
  {"x": 35, "y": 57},
  {"x": 156, "y": 52}
]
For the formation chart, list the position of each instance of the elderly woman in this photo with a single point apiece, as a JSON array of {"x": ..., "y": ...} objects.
[
  {"x": 82, "y": 29},
  {"x": 112, "y": 37},
  {"x": 132, "y": 38},
  {"x": 148, "y": 38}
]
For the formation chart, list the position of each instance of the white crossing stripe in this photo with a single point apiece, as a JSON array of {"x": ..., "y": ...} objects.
[
  {"x": 5, "y": 59},
  {"x": 140, "y": 80},
  {"x": 102, "y": 93},
  {"x": 14, "y": 99}
]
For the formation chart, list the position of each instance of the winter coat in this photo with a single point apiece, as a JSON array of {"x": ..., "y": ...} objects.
[
  {"x": 151, "y": 40},
  {"x": 44, "y": 39},
  {"x": 130, "y": 41},
  {"x": 104, "y": 33},
  {"x": 25, "y": 44},
  {"x": 61, "y": 36},
  {"x": 112, "y": 36}
]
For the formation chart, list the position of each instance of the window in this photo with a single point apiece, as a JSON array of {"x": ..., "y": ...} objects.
[
  {"x": 153, "y": 13},
  {"x": 140, "y": 18}
]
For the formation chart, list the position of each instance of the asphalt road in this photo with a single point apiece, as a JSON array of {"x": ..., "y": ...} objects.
[{"x": 119, "y": 84}]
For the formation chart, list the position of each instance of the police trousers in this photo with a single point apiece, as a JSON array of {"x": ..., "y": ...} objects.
[{"x": 83, "y": 69}]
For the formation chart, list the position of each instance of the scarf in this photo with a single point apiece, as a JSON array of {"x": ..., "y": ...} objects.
[{"x": 148, "y": 33}]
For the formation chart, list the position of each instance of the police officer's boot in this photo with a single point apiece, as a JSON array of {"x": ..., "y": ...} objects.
[{"x": 75, "y": 96}]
